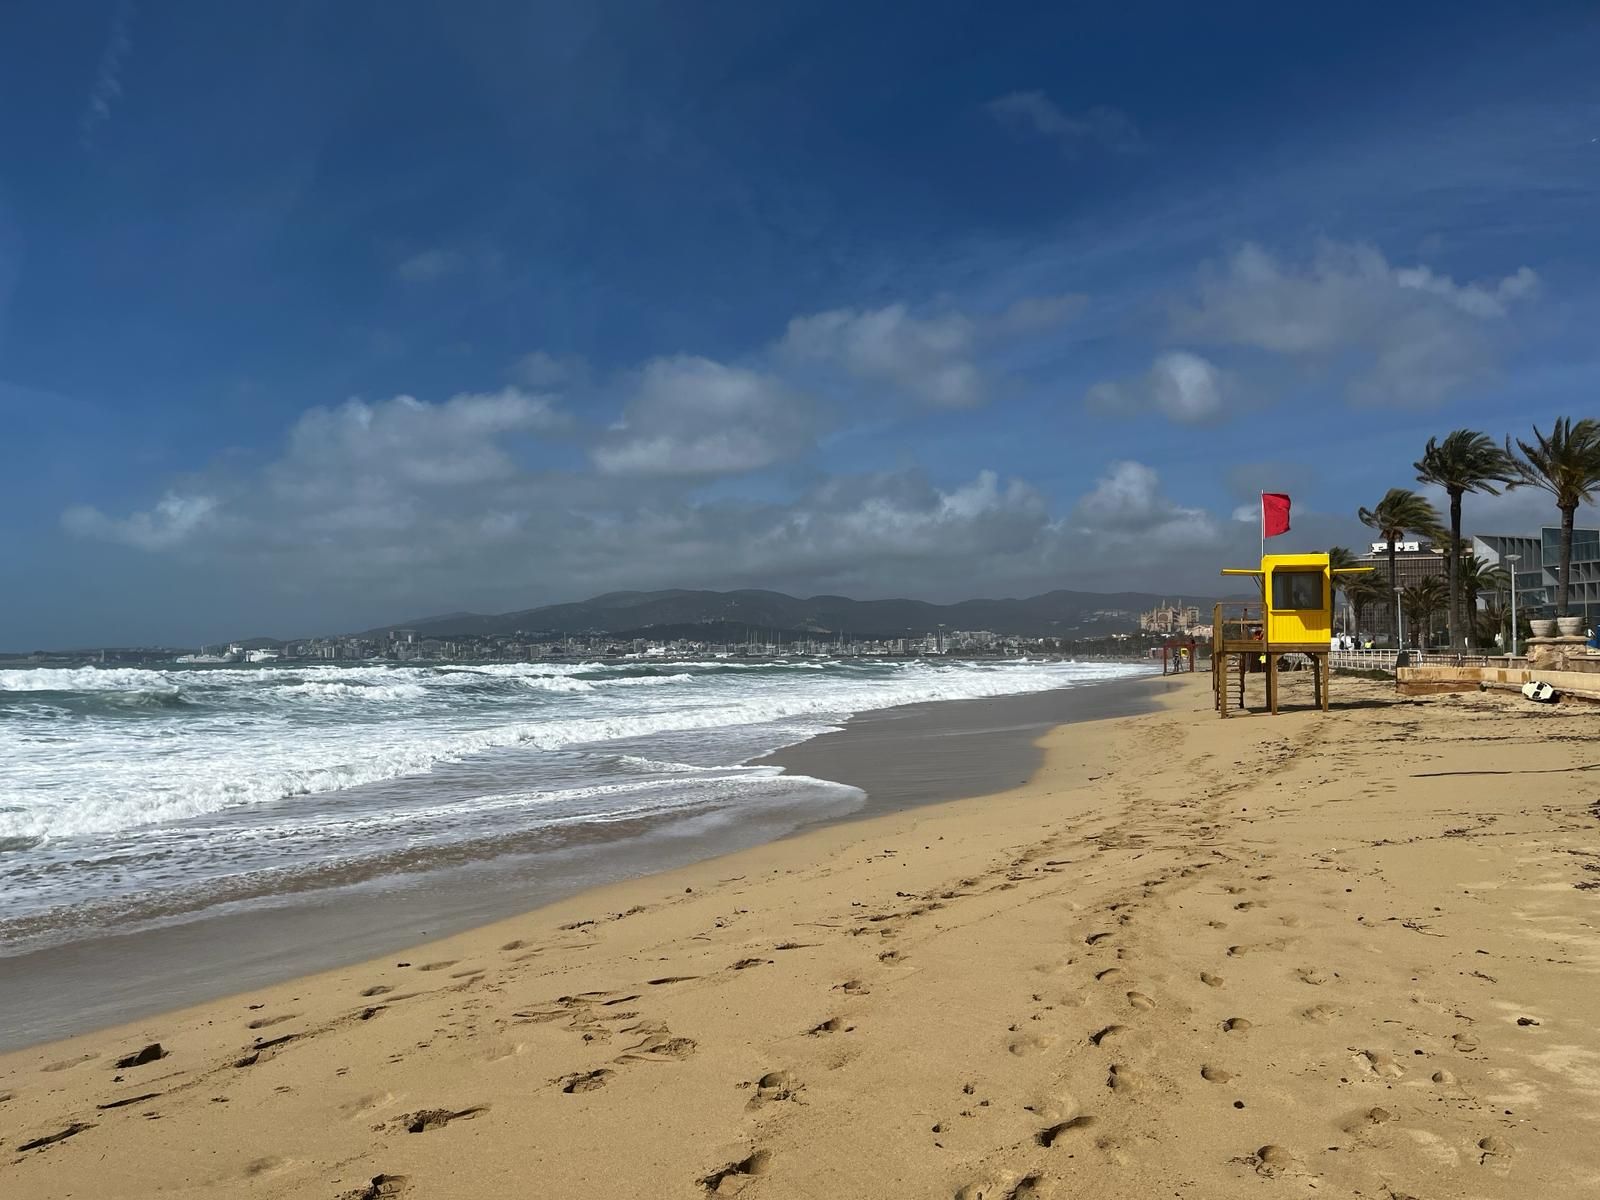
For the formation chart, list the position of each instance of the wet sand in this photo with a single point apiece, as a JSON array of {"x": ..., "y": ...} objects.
[
  {"x": 1345, "y": 954},
  {"x": 915, "y": 754},
  {"x": 929, "y": 753}
]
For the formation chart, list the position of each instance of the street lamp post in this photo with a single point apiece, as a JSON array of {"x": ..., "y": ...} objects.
[{"x": 1513, "y": 559}]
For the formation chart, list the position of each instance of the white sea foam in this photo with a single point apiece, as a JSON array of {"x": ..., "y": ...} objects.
[{"x": 266, "y": 734}]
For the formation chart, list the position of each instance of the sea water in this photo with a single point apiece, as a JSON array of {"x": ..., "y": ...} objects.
[{"x": 139, "y": 797}]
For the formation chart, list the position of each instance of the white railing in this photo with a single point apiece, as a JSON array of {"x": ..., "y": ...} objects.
[
  {"x": 1362, "y": 660},
  {"x": 1383, "y": 660}
]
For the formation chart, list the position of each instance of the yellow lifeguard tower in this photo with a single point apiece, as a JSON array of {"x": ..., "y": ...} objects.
[{"x": 1294, "y": 616}]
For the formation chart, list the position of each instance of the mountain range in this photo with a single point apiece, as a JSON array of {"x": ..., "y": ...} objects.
[{"x": 1053, "y": 614}]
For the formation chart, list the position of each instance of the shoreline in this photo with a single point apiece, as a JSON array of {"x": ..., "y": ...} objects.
[
  {"x": 1186, "y": 957},
  {"x": 125, "y": 975}
]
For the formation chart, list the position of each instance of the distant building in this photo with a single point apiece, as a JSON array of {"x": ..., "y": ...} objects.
[
  {"x": 1539, "y": 568},
  {"x": 1413, "y": 562},
  {"x": 1170, "y": 619}
]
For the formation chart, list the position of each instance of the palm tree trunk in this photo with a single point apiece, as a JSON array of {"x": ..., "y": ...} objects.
[
  {"x": 1394, "y": 598},
  {"x": 1567, "y": 514},
  {"x": 1455, "y": 569}
]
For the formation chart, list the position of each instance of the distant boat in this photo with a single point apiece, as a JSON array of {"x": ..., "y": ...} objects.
[
  {"x": 261, "y": 655},
  {"x": 201, "y": 658}
]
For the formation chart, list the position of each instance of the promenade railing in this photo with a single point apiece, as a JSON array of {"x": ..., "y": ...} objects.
[{"x": 1383, "y": 660}]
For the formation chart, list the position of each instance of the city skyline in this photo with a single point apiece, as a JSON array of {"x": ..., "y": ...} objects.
[{"x": 537, "y": 304}]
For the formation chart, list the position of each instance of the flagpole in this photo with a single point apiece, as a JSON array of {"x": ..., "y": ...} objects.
[{"x": 1263, "y": 524}]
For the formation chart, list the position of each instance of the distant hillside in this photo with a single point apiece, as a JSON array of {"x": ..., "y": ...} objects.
[{"x": 1054, "y": 614}]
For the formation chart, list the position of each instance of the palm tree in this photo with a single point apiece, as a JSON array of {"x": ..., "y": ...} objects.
[
  {"x": 1477, "y": 577},
  {"x": 1466, "y": 461},
  {"x": 1398, "y": 511},
  {"x": 1340, "y": 557},
  {"x": 1567, "y": 465},
  {"x": 1363, "y": 591},
  {"x": 1422, "y": 601}
]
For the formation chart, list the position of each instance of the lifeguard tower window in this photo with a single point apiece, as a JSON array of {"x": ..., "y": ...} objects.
[{"x": 1297, "y": 589}]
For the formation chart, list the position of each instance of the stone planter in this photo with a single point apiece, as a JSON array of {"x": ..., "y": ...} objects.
[
  {"x": 1542, "y": 629},
  {"x": 1569, "y": 626}
]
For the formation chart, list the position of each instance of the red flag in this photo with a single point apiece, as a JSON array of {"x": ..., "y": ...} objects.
[{"x": 1274, "y": 514}]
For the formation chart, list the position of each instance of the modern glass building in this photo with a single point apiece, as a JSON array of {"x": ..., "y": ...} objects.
[{"x": 1539, "y": 568}]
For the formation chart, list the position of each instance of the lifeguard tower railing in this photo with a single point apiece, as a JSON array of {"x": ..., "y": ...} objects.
[{"x": 1237, "y": 626}]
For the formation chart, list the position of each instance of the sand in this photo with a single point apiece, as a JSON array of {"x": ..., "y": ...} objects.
[{"x": 1349, "y": 954}]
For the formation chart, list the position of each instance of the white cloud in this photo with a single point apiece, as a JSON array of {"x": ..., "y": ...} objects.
[
  {"x": 1037, "y": 113},
  {"x": 406, "y": 439},
  {"x": 174, "y": 519},
  {"x": 1182, "y": 387},
  {"x": 1129, "y": 500},
  {"x": 107, "y": 88},
  {"x": 405, "y": 506},
  {"x": 930, "y": 359},
  {"x": 691, "y": 416},
  {"x": 429, "y": 265},
  {"x": 1417, "y": 337}
]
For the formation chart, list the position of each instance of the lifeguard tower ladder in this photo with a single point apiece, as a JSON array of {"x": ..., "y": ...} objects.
[{"x": 1294, "y": 616}]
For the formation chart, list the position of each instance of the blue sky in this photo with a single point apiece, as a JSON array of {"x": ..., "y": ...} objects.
[{"x": 329, "y": 315}]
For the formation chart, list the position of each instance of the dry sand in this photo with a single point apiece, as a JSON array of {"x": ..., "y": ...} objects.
[{"x": 1350, "y": 954}]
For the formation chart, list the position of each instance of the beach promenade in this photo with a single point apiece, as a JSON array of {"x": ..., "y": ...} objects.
[{"x": 1349, "y": 954}]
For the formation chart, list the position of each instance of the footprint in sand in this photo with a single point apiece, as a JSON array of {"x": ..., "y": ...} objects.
[
  {"x": 1094, "y": 939},
  {"x": 1033, "y": 1044},
  {"x": 1110, "y": 1031},
  {"x": 1320, "y": 1014},
  {"x": 1140, "y": 1001},
  {"x": 1364, "y": 1121},
  {"x": 1493, "y": 1147},
  {"x": 1236, "y": 1025},
  {"x": 1444, "y": 1078},
  {"x": 380, "y": 1187},
  {"x": 1048, "y": 1137},
  {"x": 726, "y": 1181},
  {"x": 439, "y": 966},
  {"x": 1059, "y": 1107},
  {"x": 852, "y": 987},
  {"x": 1006, "y": 1187},
  {"x": 1315, "y": 976},
  {"x": 518, "y": 944},
  {"x": 1380, "y": 1063},
  {"x": 831, "y": 1025},
  {"x": 584, "y": 1081},
  {"x": 263, "y": 1022},
  {"x": 1215, "y": 1074},
  {"x": 666, "y": 979},
  {"x": 774, "y": 1087},
  {"x": 67, "y": 1064},
  {"x": 429, "y": 1119},
  {"x": 378, "y": 989},
  {"x": 1120, "y": 1079},
  {"x": 266, "y": 1166},
  {"x": 1110, "y": 975},
  {"x": 1210, "y": 980},
  {"x": 659, "y": 1047},
  {"x": 50, "y": 1139},
  {"x": 1274, "y": 1160},
  {"x": 1464, "y": 1042}
]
